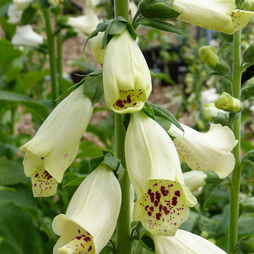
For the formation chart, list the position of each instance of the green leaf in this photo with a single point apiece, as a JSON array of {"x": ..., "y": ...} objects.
[
  {"x": 75, "y": 182},
  {"x": 37, "y": 108},
  {"x": 149, "y": 110},
  {"x": 44, "y": 4},
  {"x": 248, "y": 158},
  {"x": 117, "y": 27},
  {"x": 164, "y": 26},
  {"x": 11, "y": 172},
  {"x": 227, "y": 37},
  {"x": 93, "y": 86},
  {"x": 165, "y": 114},
  {"x": 88, "y": 149},
  {"x": 28, "y": 15},
  {"x": 248, "y": 89},
  {"x": 8, "y": 150},
  {"x": 246, "y": 219},
  {"x": 18, "y": 233},
  {"x": 4, "y": 5}
]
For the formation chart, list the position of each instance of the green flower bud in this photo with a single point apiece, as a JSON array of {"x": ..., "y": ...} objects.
[
  {"x": 215, "y": 115},
  {"x": 248, "y": 244},
  {"x": 228, "y": 103},
  {"x": 210, "y": 58},
  {"x": 96, "y": 47},
  {"x": 248, "y": 55}
]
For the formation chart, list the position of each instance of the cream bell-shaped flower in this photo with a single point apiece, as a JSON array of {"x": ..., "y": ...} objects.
[
  {"x": 96, "y": 47},
  {"x": 55, "y": 145},
  {"x": 209, "y": 151},
  {"x": 218, "y": 15},
  {"x": 14, "y": 14},
  {"x": 85, "y": 23},
  {"x": 126, "y": 76},
  {"x": 185, "y": 242},
  {"x": 26, "y": 36},
  {"x": 194, "y": 179},
  {"x": 154, "y": 169},
  {"x": 91, "y": 216},
  {"x": 22, "y": 4}
]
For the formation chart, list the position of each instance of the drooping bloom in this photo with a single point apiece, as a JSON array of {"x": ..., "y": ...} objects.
[
  {"x": 96, "y": 47},
  {"x": 85, "y": 23},
  {"x": 194, "y": 179},
  {"x": 26, "y": 36},
  {"x": 15, "y": 10},
  {"x": 209, "y": 151},
  {"x": 154, "y": 169},
  {"x": 55, "y": 145},
  {"x": 185, "y": 242},
  {"x": 218, "y": 15},
  {"x": 126, "y": 76},
  {"x": 91, "y": 216}
]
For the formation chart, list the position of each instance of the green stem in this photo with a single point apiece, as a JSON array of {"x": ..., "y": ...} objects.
[
  {"x": 123, "y": 229},
  {"x": 236, "y": 176},
  {"x": 52, "y": 59},
  {"x": 59, "y": 60}
]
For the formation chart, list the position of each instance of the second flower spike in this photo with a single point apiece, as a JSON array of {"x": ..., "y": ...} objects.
[{"x": 126, "y": 76}]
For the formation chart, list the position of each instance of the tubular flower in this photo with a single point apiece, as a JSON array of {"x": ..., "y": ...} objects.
[
  {"x": 91, "y": 216},
  {"x": 163, "y": 199},
  {"x": 209, "y": 151},
  {"x": 56, "y": 143},
  {"x": 185, "y": 242},
  {"x": 212, "y": 14},
  {"x": 86, "y": 23},
  {"x": 126, "y": 76},
  {"x": 25, "y": 35}
]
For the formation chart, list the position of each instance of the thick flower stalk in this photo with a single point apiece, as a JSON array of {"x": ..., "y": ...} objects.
[
  {"x": 26, "y": 36},
  {"x": 185, "y": 242},
  {"x": 55, "y": 145},
  {"x": 126, "y": 76},
  {"x": 209, "y": 151},
  {"x": 154, "y": 169},
  {"x": 91, "y": 216},
  {"x": 218, "y": 15}
]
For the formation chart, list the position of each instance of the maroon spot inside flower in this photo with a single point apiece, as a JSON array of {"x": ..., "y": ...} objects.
[
  {"x": 158, "y": 216},
  {"x": 42, "y": 158},
  {"x": 156, "y": 203},
  {"x": 119, "y": 103},
  {"x": 90, "y": 248},
  {"x": 164, "y": 191},
  {"x": 65, "y": 155},
  {"x": 151, "y": 208},
  {"x": 128, "y": 99},
  {"x": 177, "y": 193},
  {"x": 146, "y": 207},
  {"x": 36, "y": 175},
  {"x": 166, "y": 211},
  {"x": 151, "y": 194},
  {"x": 78, "y": 237},
  {"x": 158, "y": 196},
  {"x": 87, "y": 239},
  {"x": 149, "y": 213},
  {"x": 174, "y": 201}
]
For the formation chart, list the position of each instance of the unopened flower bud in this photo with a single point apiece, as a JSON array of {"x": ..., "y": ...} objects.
[
  {"x": 96, "y": 47},
  {"x": 210, "y": 58},
  {"x": 215, "y": 115},
  {"x": 228, "y": 103},
  {"x": 248, "y": 55}
]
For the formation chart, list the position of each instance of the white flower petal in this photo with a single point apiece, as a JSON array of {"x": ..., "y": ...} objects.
[
  {"x": 185, "y": 242},
  {"x": 209, "y": 151},
  {"x": 25, "y": 35}
]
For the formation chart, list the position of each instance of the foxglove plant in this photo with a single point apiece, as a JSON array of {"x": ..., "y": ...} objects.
[{"x": 55, "y": 145}]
